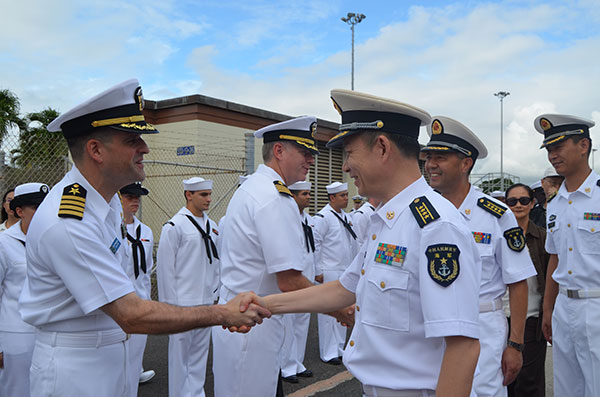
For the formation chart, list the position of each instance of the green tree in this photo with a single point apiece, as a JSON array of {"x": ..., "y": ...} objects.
[{"x": 9, "y": 112}]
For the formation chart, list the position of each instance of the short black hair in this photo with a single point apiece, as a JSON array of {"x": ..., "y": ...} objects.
[
  {"x": 527, "y": 188},
  {"x": 408, "y": 146},
  {"x": 4, "y": 215},
  {"x": 577, "y": 138},
  {"x": 77, "y": 143}
]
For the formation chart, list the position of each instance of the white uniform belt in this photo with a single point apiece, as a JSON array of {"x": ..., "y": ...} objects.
[
  {"x": 580, "y": 293},
  {"x": 82, "y": 339},
  {"x": 374, "y": 391},
  {"x": 494, "y": 305}
]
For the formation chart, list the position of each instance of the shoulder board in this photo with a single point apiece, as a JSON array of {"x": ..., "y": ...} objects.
[
  {"x": 282, "y": 188},
  {"x": 598, "y": 183},
  {"x": 321, "y": 215},
  {"x": 423, "y": 211},
  {"x": 72, "y": 203},
  {"x": 491, "y": 207},
  {"x": 168, "y": 223}
]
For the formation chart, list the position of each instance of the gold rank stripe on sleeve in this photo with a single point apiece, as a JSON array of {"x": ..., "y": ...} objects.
[
  {"x": 282, "y": 188},
  {"x": 423, "y": 211},
  {"x": 491, "y": 207},
  {"x": 72, "y": 203}
]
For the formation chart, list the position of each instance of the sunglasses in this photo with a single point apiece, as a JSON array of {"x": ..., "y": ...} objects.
[{"x": 512, "y": 201}]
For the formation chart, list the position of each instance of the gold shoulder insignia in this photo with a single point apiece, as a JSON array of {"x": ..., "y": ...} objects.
[
  {"x": 423, "y": 211},
  {"x": 495, "y": 209},
  {"x": 282, "y": 188},
  {"x": 72, "y": 203}
]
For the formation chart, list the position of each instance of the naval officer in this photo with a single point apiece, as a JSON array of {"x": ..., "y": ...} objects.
[{"x": 76, "y": 292}]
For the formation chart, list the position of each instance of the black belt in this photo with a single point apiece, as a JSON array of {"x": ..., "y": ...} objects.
[
  {"x": 208, "y": 242},
  {"x": 136, "y": 244},
  {"x": 345, "y": 223}
]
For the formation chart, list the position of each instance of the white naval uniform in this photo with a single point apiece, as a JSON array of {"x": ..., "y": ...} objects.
[
  {"x": 500, "y": 266},
  {"x": 17, "y": 335},
  {"x": 137, "y": 342},
  {"x": 361, "y": 221},
  {"x": 186, "y": 277},
  {"x": 573, "y": 222},
  {"x": 335, "y": 250},
  {"x": 263, "y": 236},
  {"x": 74, "y": 267},
  {"x": 402, "y": 314},
  {"x": 296, "y": 324}
]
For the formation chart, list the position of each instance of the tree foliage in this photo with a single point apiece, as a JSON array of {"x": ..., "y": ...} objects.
[{"x": 9, "y": 112}]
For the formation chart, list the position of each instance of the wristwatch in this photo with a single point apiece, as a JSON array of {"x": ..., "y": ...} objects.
[{"x": 519, "y": 346}]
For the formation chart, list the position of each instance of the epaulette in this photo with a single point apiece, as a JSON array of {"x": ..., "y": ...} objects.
[
  {"x": 321, "y": 215},
  {"x": 423, "y": 211},
  {"x": 491, "y": 207},
  {"x": 598, "y": 183},
  {"x": 72, "y": 203},
  {"x": 168, "y": 223},
  {"x": 282, "y": 188}
]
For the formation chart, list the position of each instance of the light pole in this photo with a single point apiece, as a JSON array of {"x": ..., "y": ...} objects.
[
  {"x": 352, "y": 19},
  {"x": 502, "y": 95},
  {"x": 593, "y": 151}
]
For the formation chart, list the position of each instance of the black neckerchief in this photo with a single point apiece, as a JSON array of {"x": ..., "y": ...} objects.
[
  {"x": 345, "y": 223},
  {"x": 208, "y": 242},
  {"x": 308, "y": 236},
  {"x": 136, "y": 244}
]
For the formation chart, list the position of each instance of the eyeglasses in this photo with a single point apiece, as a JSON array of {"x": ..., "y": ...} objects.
[{"x": 512, "y": 201}]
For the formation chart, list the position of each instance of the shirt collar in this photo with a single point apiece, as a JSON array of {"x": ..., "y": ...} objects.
[
  {"x": 16, "y": 232},
  {"x": 391, "y": 211},
  {"x": 586, "y": 188},
  {"x": 269, "y": 172},
  {"x": 93, "y": 199},
  {"x": 466, "y": 207}
]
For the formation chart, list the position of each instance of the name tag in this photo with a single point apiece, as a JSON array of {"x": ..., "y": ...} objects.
[
  {"x": 390, "y": 254},
  {"x": 482, "y": 238},
  {"x": 115, "y": 245}
]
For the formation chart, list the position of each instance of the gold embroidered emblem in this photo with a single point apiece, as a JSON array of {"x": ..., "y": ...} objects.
[
  {"x": 436, "y": 127},
  {"x": 545, "y": 124},
  {"x": 390, "y": 215},
  {"x": 468, "y": 211}
]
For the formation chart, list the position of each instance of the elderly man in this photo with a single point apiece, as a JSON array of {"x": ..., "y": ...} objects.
[
  {"x": 187, "y": 275},
  {"x": 77, "y": 293}
]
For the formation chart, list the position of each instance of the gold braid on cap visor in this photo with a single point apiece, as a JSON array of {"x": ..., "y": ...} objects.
[{"x": 117, "y": 120}]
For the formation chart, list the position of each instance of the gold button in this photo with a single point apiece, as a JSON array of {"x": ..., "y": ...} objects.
[
  {"x": 357, "y": 308},
  {"x": 351, "y": 343},
  {"x": 593, "y": 230},
  {"x": 362, "y": 271},
  {"x": 570, "y": 272},
  {"x": 373, "y": 237},
  {"x": 382, "y": 284},
  {"x": 570, "y": 202},
  {"x": 570, "y": 249},
  {"x": 568, "y": 225}
]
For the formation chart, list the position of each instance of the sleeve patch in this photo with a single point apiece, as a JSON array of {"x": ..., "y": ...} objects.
[
  {"x": 442, "y": 263},
  {"x": 491, "y": 207},
  {"x": 72, "y": 203},
  {"x": 423, "y": 211},
  {"x": 282, "y": 188},
  {"x": 515, "y": 239}
]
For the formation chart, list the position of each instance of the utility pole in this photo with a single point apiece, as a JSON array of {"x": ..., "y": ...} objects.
[
  {"x": 501, "y": 95},
  {"x": 352, "y": 19}
]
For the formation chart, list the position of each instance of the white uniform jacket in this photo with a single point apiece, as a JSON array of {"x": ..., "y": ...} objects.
[
  {"x": 335, "y": 246},
  {"x": 74, "y": 266},
  {"x": 142, "y": 281},
  {"x": 361, "y": 220},
  {"x": 416, "y": 281},
  {"x": 185, "y": 275},
  {"x": 309, "y": 254},
  {"x": 504, "y": 255},
  {"x": 13, "y": 268}
]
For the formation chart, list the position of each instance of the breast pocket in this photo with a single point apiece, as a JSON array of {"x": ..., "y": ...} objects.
[
  {"x": 488, "y": 265},
  {"x": 385, "y": 303},
  {"x": 589, "y": 235}
]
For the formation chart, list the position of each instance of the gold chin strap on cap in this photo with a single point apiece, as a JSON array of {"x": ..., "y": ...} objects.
[{"x": 118, "y": 120}]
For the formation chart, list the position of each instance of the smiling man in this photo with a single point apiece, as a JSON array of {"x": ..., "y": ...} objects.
[
  {"x": 77, "y": 292},
  {"x": 572, "y": 296}
]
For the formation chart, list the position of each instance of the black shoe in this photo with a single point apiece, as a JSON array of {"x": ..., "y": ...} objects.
[
  {"x": 290, "y": 379},
  {"x": 334, "y": 361},
  {"x": 307, "y": 373}
]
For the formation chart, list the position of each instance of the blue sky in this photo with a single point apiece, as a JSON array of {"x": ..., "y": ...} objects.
[{"x": 446, "y": 57}]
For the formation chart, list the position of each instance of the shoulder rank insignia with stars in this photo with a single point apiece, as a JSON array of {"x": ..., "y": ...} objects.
[
  {"x": 491, "y": 207},
  {"x": 423, "y": 211},
  {"x": 282, "y": 188},
  {"x": 442, "y": 263},
  {"x": 515, "y": 239},
  {"x": 72, "y": 203}
]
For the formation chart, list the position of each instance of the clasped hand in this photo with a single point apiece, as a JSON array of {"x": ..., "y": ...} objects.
[{"x": 245, "y": 311}]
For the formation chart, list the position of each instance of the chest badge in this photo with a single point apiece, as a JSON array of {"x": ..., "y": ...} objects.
[
  {"x": 390, "y": 215},
  {"x": 515, "y": 239},
  {"x": 390, "y": 254},
  {"x": 591, "y": 216},
  {"x": 482, "y": 238},
  {"x": 442, "y": 263}
]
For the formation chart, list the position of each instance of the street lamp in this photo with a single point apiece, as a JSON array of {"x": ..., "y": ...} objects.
[
  {"x": 352, "y": 19},
  {"x": 501, "y": 95}
]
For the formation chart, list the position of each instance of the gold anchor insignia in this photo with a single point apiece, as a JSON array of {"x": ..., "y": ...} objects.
[
  {"x": 390, "y": 215},
  {"x": 468, "y": 211}
]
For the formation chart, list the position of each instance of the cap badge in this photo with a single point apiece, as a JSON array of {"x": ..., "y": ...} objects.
[
  {"x": 44, "y": 189},
  {"x": 313, "y": 129},
  {"x": 436, "y": 127},
  {"x": 545, "y": 124},
  {"x": 139, "y": 98}
]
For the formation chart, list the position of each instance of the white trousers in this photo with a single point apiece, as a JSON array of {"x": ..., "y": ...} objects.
[
  {"x": 137, "y": 344},
  {"x": 332, "y": 335},
  {"x": 65, "y": 371},
  {"x": 492, "y": 339},
  {"x": 294, "y": 343},
  {"x": 576, "y": 346},
  {"x": 188, "y": 352},
  {"x": 18, "y": 350},
  {"x": 247, "y": 365}
]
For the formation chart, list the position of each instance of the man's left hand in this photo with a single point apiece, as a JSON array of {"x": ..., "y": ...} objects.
[{"x": 512, "y": 361}]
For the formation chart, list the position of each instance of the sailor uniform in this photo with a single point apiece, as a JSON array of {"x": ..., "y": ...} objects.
[
  {"x": 187, "y": 275},
  {"x": 263, "y": 236},
  {"x": 361, "y": 220},
  {"x": 336, "y": 245}
]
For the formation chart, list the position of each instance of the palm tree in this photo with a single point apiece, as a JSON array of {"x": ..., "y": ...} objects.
[{"x": 9, "y": 112}]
